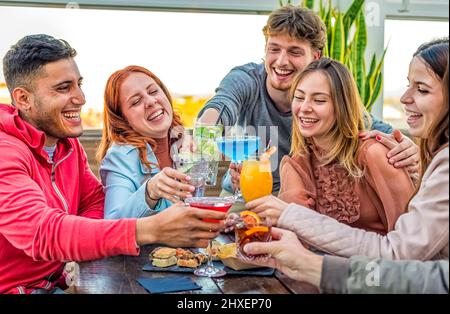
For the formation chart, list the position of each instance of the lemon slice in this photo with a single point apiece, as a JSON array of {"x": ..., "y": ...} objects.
[{"x": 226, "y": 251}]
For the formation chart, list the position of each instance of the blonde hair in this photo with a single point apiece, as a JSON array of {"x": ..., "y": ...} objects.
[{"x": 349, "y": 115}]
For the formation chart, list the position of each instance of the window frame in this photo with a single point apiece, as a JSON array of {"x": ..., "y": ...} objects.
[
  {"x": 394, "y": 11},
  {"x": 230, "y": 6},
  {"x": 433, "y": 10}
]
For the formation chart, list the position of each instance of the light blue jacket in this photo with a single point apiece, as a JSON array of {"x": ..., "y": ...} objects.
[{"x": 124, "y": 178}]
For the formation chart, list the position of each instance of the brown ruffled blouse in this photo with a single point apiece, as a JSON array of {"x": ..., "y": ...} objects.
[{"x": 372, "y": 202}]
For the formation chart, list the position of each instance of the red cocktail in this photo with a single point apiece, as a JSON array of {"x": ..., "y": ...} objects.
[{"x": 221, "y": 204}]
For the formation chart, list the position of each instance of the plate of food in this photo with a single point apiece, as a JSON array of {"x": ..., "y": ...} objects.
[
  {"x": 174, "y": 259},
  {"x": 181, "y": 260}
]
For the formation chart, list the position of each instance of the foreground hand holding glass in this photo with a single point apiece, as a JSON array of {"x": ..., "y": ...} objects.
[
  {"x": 250, "y": 228},
  {"x": 195, "y": 168}
]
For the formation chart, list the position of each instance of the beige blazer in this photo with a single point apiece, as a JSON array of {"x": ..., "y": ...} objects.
[{"x": 421, "y": 233}]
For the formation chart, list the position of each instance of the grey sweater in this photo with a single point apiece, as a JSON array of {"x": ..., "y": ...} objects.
[
  {"x": 247, "y": 103},
  {"x": 365, "y": 275}
]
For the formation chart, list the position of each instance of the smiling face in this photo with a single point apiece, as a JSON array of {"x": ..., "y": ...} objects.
[
  {"x": 285, "y": 57},
  {"x": 423, "y": 100},
  {"x": 145, "y": 106},
  {"x": 313, "y": 107},
  {"x": 56, "y": 101}
]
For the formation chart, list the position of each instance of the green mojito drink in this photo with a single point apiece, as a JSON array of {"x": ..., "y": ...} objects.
[{"x": 205, "y": 138}]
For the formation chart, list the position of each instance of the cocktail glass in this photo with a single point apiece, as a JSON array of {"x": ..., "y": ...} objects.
[
  {"x": 196, "y": 168},
  {"x": 238, "y": 149},
  {"x": 221, "y": 204},
  {"x": 247, "y": 231},
  {"x": 205, "y": 138},
  {"x": 256, "y": 178}
]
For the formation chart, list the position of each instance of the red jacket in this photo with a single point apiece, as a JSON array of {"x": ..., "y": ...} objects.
[{"x": 50, "y": 212}]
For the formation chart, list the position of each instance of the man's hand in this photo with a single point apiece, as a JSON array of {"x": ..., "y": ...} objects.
[
  {"x": 179, "y": 226},
  {"x": 287, "y": 255},
  {"x": 166, "y": 185},
  {"x": 403, "y": 151},
  {"x": 269, "y": 207}
]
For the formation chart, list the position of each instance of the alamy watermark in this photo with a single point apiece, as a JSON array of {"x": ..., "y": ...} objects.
[
  {"x": 373, "y": 14},
  {"x": 373, "y": 274}
]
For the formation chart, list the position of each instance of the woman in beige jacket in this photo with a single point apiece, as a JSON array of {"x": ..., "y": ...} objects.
[{"x": 421, "y": 233}]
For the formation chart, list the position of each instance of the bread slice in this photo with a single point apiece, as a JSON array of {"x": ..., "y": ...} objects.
[
  {"x": 192, "y": 263},
  {"x": 164, "y": 262},
  {"x": 184, "y": 254},
  {"x": 164, "y": 252}
]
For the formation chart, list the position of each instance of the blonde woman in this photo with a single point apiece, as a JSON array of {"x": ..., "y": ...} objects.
[{"x": 330, "y": 169}]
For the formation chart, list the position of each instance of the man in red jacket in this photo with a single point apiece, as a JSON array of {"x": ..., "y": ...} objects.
[{"x": 51, "y": 204}]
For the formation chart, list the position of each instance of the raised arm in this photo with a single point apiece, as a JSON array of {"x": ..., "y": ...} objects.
[{"x": 234, "y": 92}]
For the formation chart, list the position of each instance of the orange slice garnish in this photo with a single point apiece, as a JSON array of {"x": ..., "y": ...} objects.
[
  {"x": 250, "y": 217},
  {"x": 265, "y": 157},
  {"x": 258, "y": 229}
]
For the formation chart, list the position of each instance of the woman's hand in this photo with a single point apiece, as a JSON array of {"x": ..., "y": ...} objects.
[
  {"x": 287, "y": 255},
  {"x": 235, "y": 173},
  {"x": 166, "y": 184},
  {"x": 269, "y": 207},
  {"x": 403, "y": 151}
]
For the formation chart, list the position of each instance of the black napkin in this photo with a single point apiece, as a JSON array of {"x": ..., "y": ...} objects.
[{"x": 168, "y": 284}]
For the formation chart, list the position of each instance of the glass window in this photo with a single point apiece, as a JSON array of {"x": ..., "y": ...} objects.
[
  {"x": 190, "y": 52},
  {"x": 404, "y": 37}
]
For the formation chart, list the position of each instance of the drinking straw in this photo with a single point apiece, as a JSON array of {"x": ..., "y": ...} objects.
[
  {"x": 268, "y": 145},
  {"x": 220, "y": 115}
]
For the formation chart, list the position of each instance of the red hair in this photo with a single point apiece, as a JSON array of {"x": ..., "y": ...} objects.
[{"x": 116, "y": 128}]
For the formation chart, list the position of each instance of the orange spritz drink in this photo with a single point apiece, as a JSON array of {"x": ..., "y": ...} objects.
[
  {"x": 256, "y": 179},
  {"x": 250, "y": 228}
]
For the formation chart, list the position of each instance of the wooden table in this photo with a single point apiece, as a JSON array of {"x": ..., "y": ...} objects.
[{"x": 118, "y": 274}]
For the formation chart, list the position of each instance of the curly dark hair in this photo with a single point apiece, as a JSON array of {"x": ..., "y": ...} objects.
[
  {"x": 300, "y": 23},
  {"x": 24, "y": 61}
]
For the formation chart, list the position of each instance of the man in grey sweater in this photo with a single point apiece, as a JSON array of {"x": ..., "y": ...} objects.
[
  {"x": 358, "y": 274},
  {"x": 256, "y": 96}
]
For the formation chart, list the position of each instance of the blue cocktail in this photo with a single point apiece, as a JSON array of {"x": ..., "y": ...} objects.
[{"x": 238, "y": 149}]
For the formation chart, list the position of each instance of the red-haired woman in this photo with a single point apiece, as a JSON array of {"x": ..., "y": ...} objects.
[{"x": 140, "y": 135}]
